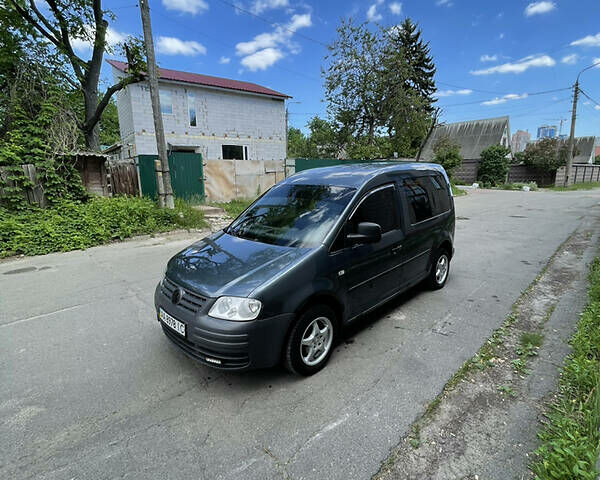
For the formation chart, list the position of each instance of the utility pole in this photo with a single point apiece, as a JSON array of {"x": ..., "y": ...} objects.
[
  {"x": 161, "y": 166},
  {"x": 570, "y": 148}
]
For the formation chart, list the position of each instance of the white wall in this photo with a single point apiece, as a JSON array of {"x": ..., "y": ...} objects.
[{"x": 223, "y": 117}]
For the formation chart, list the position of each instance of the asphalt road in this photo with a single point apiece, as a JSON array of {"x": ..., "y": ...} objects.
[{"x": 91, "y": 389}]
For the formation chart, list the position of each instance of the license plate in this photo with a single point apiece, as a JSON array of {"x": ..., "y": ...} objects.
[{"x": 171, "y": 322}]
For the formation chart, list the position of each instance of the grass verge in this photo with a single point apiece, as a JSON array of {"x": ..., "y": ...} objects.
[
  {"x": 234, "y": 207},
  {"x": 518, "y": 186},
  {"x": 576, "y": 186},
  {"x": 457, "y": 192},
  {"x": 76, "y": 225},
  {"x": 571, "y": 437}
]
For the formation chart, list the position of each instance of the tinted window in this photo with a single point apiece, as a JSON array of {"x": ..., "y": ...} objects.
[
  {"x": 441, "y": 196},
  {"x": 293, "y": 215},
  {"x": 379, "y": 207},
  {"x": 418, "y": 195}
]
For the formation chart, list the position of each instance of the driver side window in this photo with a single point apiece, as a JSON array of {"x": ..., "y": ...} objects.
[{"x": 379, "y": 207}]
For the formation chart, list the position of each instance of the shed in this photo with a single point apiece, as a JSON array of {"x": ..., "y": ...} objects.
[{"x": 92, "y": 169}]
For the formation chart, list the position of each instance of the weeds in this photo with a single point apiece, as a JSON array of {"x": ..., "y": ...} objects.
[{"x": 571, "y": 438}]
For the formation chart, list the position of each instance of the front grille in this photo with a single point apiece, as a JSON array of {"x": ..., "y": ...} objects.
[
  {"x": 190, "y": 301},
  {"x": 229, "y": 360}
]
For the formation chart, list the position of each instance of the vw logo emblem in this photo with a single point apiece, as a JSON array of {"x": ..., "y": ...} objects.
[{"x": 177, "y": 295}]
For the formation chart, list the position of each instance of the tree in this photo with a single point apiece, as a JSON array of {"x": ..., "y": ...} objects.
[
  {"x": 379, "y": 85},
  {"x": 493, "y": 166},
  {"x": 59, "y": 25},
  {"x": 447, "y": 154},
  {"x": 547, "y": 154},
  {"x": 109, "y": 125},
  {"x": 296, "y": 143},
  {"x": 597, "y": 160},
  {"x": 353, "y": 86},
  {"x": 408, "y": 85}
]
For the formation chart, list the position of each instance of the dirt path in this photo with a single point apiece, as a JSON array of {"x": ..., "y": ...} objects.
[{"x": 484, "y": 423}]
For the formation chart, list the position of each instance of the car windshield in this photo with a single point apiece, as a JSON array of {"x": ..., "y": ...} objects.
[{"x": 293, "y": 215}]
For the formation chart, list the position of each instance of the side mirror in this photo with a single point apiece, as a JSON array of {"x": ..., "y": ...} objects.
[{"x": 366, "y": 232}]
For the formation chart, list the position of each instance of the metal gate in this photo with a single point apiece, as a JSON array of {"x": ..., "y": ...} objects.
[{"x": 187, "y": 177}]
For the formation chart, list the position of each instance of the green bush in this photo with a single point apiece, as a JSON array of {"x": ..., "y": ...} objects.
[
  {"x": 493, "y": 165},
  {"x": 72, "y": 225},
  {"x": 447, "y": 154}
]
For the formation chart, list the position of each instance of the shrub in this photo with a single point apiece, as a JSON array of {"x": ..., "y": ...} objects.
[
  {"x": 547, "y": 154},
  {"x": 494, "y": 165},
  {"x": 72, "y": 225},
  {"x": 447, "y": 154}
]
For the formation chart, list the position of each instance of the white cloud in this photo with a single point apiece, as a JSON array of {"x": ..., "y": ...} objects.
[
  {"x": 449, "y": 93},
  {"x": 519, "y": 66},
  {"x": 441, "y": 3},
  {"x": 224, "y": 60},
  {"x": 538, "y": 8},
  {"x": 570, "y": 59},
  {"x": 501, "y": 36},
  {"x": 113, "y": 37},
  {"x": 262, "y": 59},
  {"x": 269, "y": 44},
  {"x": 395, "y": 8},
  {"x": 259, "y": 6},
  {"x": 587, "y": 41},
  {"x": 372, "y": 15},
  {"x": 596, "y": 60},
  {"x": 504, "y": 99},
  {"x": 596, "y": 107},
  {"x": 186, "y": 6},
  {"x": 488, "y": 58},
  {"x": 175, "y": 46}
]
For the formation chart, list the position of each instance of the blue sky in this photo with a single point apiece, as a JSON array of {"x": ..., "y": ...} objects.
[{"x": 490, "y": 56}]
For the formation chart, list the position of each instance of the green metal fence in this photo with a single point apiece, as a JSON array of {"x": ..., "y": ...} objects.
[{"x": 187, "y": 177}]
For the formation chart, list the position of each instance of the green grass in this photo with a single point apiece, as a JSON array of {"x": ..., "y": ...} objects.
[
  {"x": 234, "y": 207},
  {"x": 576, "y": 186},
  {"x": 518, "y": 186},
  {"x": 570, "y": 439},
  {"x": 457, "y": 192},
  {"x": 531, "y": 338},
  {"x": 77, "y": 225}
]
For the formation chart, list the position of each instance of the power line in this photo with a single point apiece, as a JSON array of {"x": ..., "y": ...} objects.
[
  {"x": 531, "y": 94},
  {"x": 272, "y": 23},
  {"x": 588, "y": 97}
]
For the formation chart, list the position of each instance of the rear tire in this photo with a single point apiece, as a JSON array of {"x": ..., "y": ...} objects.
[
  {"x": 440, "y": 269},
  {"x": 311, "y": 341}
]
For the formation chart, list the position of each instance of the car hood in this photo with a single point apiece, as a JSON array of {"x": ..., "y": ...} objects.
[{"x": 222, "y": 264}]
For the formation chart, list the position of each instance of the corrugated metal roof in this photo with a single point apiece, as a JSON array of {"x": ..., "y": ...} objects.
[
  {"x": 206, "y": 80},
  {"x": 473, "y": 136}
]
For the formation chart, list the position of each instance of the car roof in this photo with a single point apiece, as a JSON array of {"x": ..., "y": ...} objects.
[{"x": 358, "y": 174}]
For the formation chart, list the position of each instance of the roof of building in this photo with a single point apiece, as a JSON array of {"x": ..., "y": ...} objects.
[
  {"x": 206, "y": 80},
  {"x": 357, "y": 174},
  {"x": 473, "y": 136},
  {"x": 584, "y": 146}
]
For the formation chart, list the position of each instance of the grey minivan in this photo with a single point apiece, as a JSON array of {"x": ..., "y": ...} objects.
[{"x": 313, "y": 253}]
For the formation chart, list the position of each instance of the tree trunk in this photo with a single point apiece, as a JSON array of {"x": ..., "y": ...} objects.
[{"x": 90, "y": 99}]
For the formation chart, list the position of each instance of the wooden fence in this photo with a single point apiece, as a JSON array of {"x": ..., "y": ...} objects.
[
  {"x": 468, "y": 171},
  {"x": 123, "y": 179},
  {"x": 34, "y": 195}
]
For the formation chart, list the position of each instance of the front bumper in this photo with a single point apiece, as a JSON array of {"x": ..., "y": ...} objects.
[{"x": 226, "y": 344}]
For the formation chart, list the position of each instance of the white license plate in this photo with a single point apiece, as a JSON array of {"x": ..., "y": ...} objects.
[{"x": 171, "y": 322}]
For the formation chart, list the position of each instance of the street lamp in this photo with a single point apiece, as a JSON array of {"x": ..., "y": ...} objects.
[{"x": 571, "y": 146}]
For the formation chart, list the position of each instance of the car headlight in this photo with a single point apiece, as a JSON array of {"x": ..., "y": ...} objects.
[{"x": 235, "y": 308}]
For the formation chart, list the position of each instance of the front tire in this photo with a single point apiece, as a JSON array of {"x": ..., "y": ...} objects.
[
  {"x": 440, "y": 269},
  {"x": 310, "y": 342}
]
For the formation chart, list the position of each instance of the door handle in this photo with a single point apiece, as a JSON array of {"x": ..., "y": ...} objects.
[{"x": 396, "y": 249}]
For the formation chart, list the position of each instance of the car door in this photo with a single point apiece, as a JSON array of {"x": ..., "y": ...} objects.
[
  {"x": 370, "y": 275},
  {"x": 419, "y": 208}
]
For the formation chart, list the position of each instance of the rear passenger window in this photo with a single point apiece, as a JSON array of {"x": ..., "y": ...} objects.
[
  {"x": 419, "y": 193},
  {"x": 379, "y": 207},
  {"x": 441, "y": 195}
]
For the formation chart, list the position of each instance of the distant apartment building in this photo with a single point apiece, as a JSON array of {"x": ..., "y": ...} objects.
[
  {"x": 547, "y": 131},
  {"x": 519, "y": 141}
]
